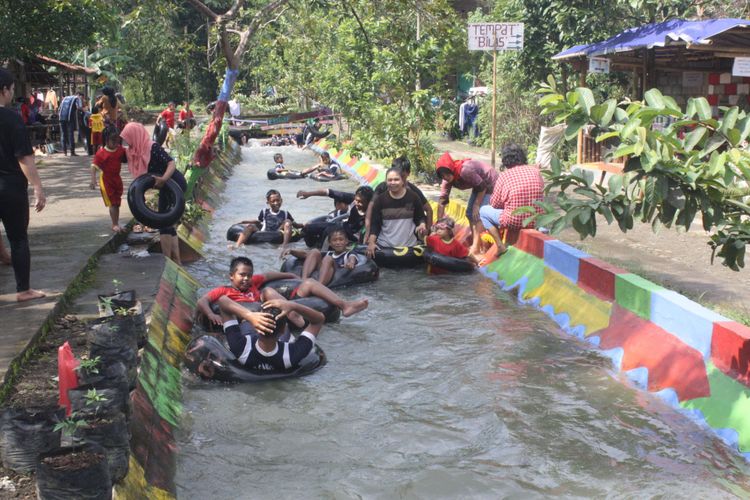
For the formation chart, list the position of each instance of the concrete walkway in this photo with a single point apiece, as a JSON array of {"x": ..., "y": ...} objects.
[
  {"x": 73, "y": 226},
  {"x": 676, "y": 260}
]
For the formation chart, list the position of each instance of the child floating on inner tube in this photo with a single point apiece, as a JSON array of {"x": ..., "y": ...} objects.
[
  {"x": 442, "y": 242},
  {"x": 326, "y": 168},
  {"x": 245, "y": 287},
  {"x": 327, "y": 262},
  {"x": 265, "y": 352},
  {"x": 270, "y": 219},
  {"x": 356, "y": 203}
]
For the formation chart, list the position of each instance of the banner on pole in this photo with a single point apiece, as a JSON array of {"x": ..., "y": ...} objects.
[{"x": 495, "y": 36}]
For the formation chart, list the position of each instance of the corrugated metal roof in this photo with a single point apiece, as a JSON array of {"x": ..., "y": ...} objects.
[
  {"x": 73, "y": 68},
  {"x": 672, "y": 32}
]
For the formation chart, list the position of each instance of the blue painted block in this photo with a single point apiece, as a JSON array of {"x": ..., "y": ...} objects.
[
  {"x": 670, "y": 397},
  {"x": 615, "y": 355},
  {"x": 683, "y": 318},
  {"x": 563, "y": 258},
  {"x": 639, "y": 377}
]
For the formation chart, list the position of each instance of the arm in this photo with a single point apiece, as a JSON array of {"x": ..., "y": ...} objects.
[
  {"x": 445, "y": 198},
  {"x": 311, "y": 169},
  {"x": 273, "y": 275},
  {"x": 315, "y": 318},
  {"x": 368, "y": 222},
  {"x": 204, "y": 306},
  {"x": 427, "y": 208},
  {"x": 28, "y": 167},
  {"x": 160, "y": 181},
  {"x": 306, "y": 194},
  {"x": 300, "y": 254},
  {"x": 351, "y": 262},
  {"x": 262, "y": 322},
  {"x": 92, "y": 185}
]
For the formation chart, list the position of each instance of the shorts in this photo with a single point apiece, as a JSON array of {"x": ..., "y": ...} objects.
[
  {"x": 490, "y": 216},
  {"x": 96, "y": 139},
  {"x": 111, "y": 189},
  {"x": 470, "y": 204}
]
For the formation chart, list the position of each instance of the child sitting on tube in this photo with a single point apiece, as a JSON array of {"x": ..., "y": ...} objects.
[
  {"x": 272, "y": 218},
  {"x": 442, "y": 241}
]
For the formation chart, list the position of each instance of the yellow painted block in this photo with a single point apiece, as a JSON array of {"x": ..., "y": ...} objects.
[
  {"x": 456, "y": 210},
  {"x": 134, "y": 486},
  {"x": 566, "y": 297}
]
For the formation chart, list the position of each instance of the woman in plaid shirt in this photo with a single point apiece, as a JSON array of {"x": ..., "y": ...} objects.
[{"x": 520, "y": 185}]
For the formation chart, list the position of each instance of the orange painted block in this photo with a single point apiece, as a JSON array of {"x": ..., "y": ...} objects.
[
  {"x": 730, "y": 350},
  {"x": 532, "y": 241},
  {"x": 670, "y": 362},
  {"x": 369, "y": 176}
]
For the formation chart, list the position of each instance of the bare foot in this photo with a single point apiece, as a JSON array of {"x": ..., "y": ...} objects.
[
  {"x": 29, "y": 294},
  {"x": 117, "y": 228},
  {"x": 353, "y": 307}
]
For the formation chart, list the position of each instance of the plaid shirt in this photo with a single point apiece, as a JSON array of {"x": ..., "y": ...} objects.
[{"x": 516, "y": 187}]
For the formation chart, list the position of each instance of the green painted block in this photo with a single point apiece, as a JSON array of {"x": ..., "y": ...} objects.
[
  {"x": 728, "y": 406},
  {"x": 516, "y": 264},
  {"x": 163, "y": 385},
  {"x": 378, "y": 179},
  {"x": 634, "y": 293}
]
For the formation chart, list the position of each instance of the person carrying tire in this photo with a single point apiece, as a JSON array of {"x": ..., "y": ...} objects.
[{"x": 146, "y": 156}]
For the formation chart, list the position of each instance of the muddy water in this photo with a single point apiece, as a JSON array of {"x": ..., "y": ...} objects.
[{"x": 445, "y": 387}]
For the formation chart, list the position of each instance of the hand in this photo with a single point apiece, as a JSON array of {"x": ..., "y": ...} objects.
[
  {"x": 215, "y": 319},
  {"x": 370, "y": 252},
  {"x": 302, "y": 195},
  {"x": 421, "y": 230},
  {"x": 263, "y": 323},
  {"x": 350, "y": 264},
  {"x": 39, "y": 199},
  {"x": 284, "y": 252},
  {"x": 159, "y": 182},
  {"x": 283, "y": 304}
]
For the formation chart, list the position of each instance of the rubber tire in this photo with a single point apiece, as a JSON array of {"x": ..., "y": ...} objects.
[
  {"x": 398, "y": 257},
  {"x": 316, "y": 177},
  {"x": 366, "y": 271},
  {"x": 160, "y": 133},
  {"x": 143, "y": 214},
  {"x": 273, "y": 237},
  {"x": 291, "y": 175},
  {"x": 451, "y": 264}
]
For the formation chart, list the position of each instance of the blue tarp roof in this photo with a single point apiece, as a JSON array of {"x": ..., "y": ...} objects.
[{"x": 656, "y": 35}]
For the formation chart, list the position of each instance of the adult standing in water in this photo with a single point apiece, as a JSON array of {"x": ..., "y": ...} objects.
[
  {"x": 397, "y": 215},
  {"x": 520, "y": 185},
  {"x": 466, "y": 174},
  {"x": 17, "y": 171},
  {"x": 146, "y": 156}
]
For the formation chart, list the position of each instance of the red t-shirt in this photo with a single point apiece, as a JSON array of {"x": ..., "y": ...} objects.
[
  {"x": 251, "y": 295},
  {"x": 110, "y": 162},
  {"x": 168, "y": 115},
  {"x": 185, "y": 114},
  {"x": 452, "y": 249}
]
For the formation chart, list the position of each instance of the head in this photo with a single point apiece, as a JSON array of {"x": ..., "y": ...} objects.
[
  {"x": 7, "y": 87},
  {"x": 241, "y": 273},
  {"x": 444, "y": 228},
  {"x": 325, "y": 158},
  {"x": 171, "y": 105},
  {"x": 340, "y": 205},
  {"x": 111, "y": 137},
  {"x": 394, "y": 179},
  {"x": 278, "y": 158},
  {"x": 445, "y": 168},
  {"x": 362, "y": 197},
  {"x": 402, "y": 163},
  {"x": 273, "y": 199},
  {"x": 96, "y": 109},
  {"x": 512, "y": 155},
  {"x": 337, "y": 239},
  {"x": 281, "y": 322},
  {"x": 186, "y": 105}
]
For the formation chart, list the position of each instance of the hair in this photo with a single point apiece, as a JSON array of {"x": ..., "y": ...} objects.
[
  {"x": 403, "y": 163},
  {"x": 171, "y": 103},
  {"x": 337, "y": 229},
  {"x": 96, "y": 109},
  {"x": 239, "y": 261},
  {"x": 365, "y": 192},
  {"x": 445, "y": 170},
  {"x": 281, "y": 323},
  {"x": 6, "y": 79},
  {"x": 278, "y": 155},
  {"x": 445, "y": 223},
  {"x": 271, "y": 192},
  {"x": 325, "y": 154},
  {"x": 111, "y": 95},
  {"x": 398, "y": 170},
  {"x": 109, "y": 131},
  {"x": 513, "y": 155}
]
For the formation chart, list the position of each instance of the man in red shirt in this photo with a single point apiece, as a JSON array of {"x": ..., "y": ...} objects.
[
  {"x": 186, "y": 118},
  {"x": 520, "y": 185},
  {"x": 168, "y": 115}
]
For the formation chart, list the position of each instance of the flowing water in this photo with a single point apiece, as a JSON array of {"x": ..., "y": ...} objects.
[{"x": 445, "y": 387}]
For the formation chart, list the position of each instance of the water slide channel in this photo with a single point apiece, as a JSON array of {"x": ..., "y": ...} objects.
[{"x": 446, "y": 387}]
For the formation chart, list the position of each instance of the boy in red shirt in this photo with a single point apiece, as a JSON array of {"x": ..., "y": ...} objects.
[
  {"x": 107, "y": 163},
  {"x": 442, "y": 242}
]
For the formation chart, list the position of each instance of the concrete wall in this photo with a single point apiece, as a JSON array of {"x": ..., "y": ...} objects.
[{"x": 694, "y": 359}]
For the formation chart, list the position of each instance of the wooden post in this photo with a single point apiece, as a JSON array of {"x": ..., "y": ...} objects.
[
  {"x": 187, "y": 73},
  {"x": 494, "y": 101},
  {"x": 579, "y": 151}
]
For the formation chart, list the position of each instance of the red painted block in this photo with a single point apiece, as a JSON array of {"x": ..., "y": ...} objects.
[
  {"x": 598, "y": 277},
  {"x": 670, "y": 362},
  {"x": 730, "y": 89},
  {"x": 532, "y": 241},
  {"x": 352, "y": 162},
  {"x": 370, "y": 176},
  {"x": 730, "y": 350},
  {"x": 713, "y": 100},
  {"x": 714, "y": 79},
  {"x": 165, "y": 294}
]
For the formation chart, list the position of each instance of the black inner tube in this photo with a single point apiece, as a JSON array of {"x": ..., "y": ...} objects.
[
  {"x": 447, "y": 263},
  {"x": 144, "y": 215}
]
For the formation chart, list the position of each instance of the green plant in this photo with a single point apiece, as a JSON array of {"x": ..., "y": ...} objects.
[
  {"x": 90, "y": 366},
  {"x": 93, "y": 397},
  {"x": 696, "y": 164},
  {"x": 70, "y": 425},
  {"x": 193, "y": 213}
]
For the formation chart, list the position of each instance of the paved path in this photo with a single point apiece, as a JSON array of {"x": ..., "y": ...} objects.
[
  {"x": 74, "y": 224},
  {"x": 678, "y": 261}
]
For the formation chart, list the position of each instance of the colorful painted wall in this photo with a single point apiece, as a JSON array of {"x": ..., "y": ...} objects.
[
  {"x": 157, "y": 399},
  {"x": 694, "y": 359}
]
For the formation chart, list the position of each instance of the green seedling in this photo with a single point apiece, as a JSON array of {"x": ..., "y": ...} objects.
[
  {"x": 93, "y": 397},
  {"x": 90, "y": 366},
  {"x": 70, "y": 425}
]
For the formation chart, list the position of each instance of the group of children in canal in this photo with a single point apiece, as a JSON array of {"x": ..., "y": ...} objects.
[{"x": 255, "y": 337}]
